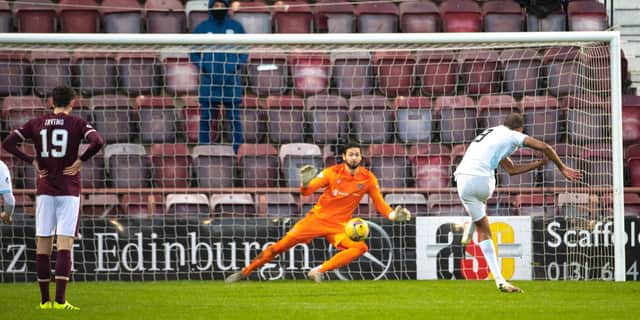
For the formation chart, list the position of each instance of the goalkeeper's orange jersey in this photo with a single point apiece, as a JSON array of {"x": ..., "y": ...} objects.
[{"x": 343, "y": 193}]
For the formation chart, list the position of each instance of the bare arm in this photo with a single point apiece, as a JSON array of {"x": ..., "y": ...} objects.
[
  {"x": 514, "y": 169},
  {"x": 569, "y": 173}
]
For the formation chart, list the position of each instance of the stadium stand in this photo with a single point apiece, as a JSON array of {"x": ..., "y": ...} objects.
[
  {"x": 371, "y": 119},
  {"x": 214, "y": 166},
  {"x": 237, "y": 205},
  {"x": 520, "y": 71},
  {"x": 15, "y": 68},
  {"x": 541, "y": 115},
  {"x": 171, "y": 165},
  {"x": 277, "y": 205},
  {"x": 431, "y": 165},
  {"x": 93, "y": 170},
  {"x": 480, "y": 71},
  {"x": 461, "y": 16},
  {"x": 292, "y": 17},
  {"x": 419, "y": 16},
  {"x": 414, "y": 117},
  {"x": 180, "y": 75},
  {"x": 37, "y": 16},
  {"x": 437, "y": 73},
  {"x": 334, "y": 16},
  {"x": 493, "y": 109},
  {"x": 285, "y": 116},
  {"x": 394, "y": 72},
  {"x": 390, "y": 164},
  {"x": 122, "y": 16},
  {"x": 294, "y": 156},
  {"x": 415, "y": 202},
  {"x": 253, "y": 120},
  {"x": 95, "y": 73},
  {"x": 254, "y": 16},
  {"x": 187, "y": 205},
  {"x": 377, "y": 17},
  {"x": 352, "y": 73},
  {"x": 158, "y": 119},
  {"x": 164, "y": 16},
  {"x": 457, "y": 119},
  {"x": 258, "y": 165},
  {"x": 128, "y": 165},
  {"x": 79, "y": 16},
  {"x": 267, "y": 73},
  {"x": 114, "y": 117},
  {"x": 502, "y": 16},
  {"x": 329, "y": 118},
  {"x": 50, "y": 69}
]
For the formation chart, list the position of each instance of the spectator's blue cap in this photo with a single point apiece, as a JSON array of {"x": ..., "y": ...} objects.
[{"x": 212, "y": 2}]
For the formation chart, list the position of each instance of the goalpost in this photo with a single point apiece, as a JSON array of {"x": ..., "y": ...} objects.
[{"x": 158, "y": 205}]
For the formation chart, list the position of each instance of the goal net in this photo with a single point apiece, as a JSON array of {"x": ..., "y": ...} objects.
[{"x": 205, "y": 136}]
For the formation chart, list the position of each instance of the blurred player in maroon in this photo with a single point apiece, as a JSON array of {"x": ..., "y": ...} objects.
[{"x": 56, "y": 138}]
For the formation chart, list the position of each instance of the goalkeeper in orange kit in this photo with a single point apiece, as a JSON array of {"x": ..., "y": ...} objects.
[{"x": 345, "y": 184}]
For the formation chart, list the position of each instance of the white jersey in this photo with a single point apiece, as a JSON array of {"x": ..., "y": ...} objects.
[
  {"x": 487, "y": 150},
  {"x": 5, "y": 179}
]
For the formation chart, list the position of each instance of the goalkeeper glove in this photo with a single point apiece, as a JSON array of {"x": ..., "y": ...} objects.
[
  {"x": 400, "y": 214},
  {"x": 307, "y": 173}
]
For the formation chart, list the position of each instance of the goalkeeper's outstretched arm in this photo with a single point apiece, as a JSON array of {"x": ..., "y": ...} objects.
[
  {"x": 397, "y": 214},
  {"x": 310, "y": 182}
]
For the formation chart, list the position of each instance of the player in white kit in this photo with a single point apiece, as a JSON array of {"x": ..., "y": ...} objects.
[
  {"x": 475, "y": 178},
  {"x": 7, "y": 193}
]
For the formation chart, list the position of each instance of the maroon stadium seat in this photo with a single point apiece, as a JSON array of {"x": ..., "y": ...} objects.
[
  {"x": 139, "y": 205},
  {"x": 377, "y": 17},
  {"x": 632, "y": 157},
  {"x": 158, "y": 119},
  {"x": 589, "y": 15},
  {"x": 17, "y": 110},
  {"x": 22, "y": 173},
  {"x": 534, "y": 205},
  {"x": 181, "y": 77},
  {"x": 445, "y": 204},
  {"x": 541, "y": 117},
  {"x": 562, "y": 70},
  {"x": 587, "y": 119},
  {"x": 128, "y": 165},
  {"x": 331, "y": 156},
  {"x": 191, "y": 120},
  {"x": 79, "y": 16},
  {"x": 139, "y": 73},
  {"x": 196, "y": 13},
  {"x": 521, "y": 71},
  {"x": 461, "y": 16},
  {"x": 458, "y": 115},
  {"x": 574, "y": 205},
  {"x": 371, "y": 119},
  {"x": 502, "y": 16},
  {"x": 631, "y": 203},
  {"x": 294, "y": 156},
  {"x": 528, "y": 179},
  {"x": 570, "y": 155},
  {"x": 190, "y": 204},
  {"x": 419, "y": 16},
  {"x": 554, "y": 21},
  {"x": 6, "y": 18},
  {"x": 122, "y": 16},
  {"x": 253, "y": 118},
  {"x": 389, "y": 162},
  {"x": 253, "y": 15},
  {"x": 457, "y": 152},
  {"x": 113, "y": 117},
  {"x": 598, "y": 164},
  {"x": 352, "y": 73},
  {"x": 171, "y": 165},
  {"x": 14, "y": 67},
  {"x": 95, "y": 206},
  {"x": 329, "y": 118},
  {"x": 165, "y": 16},
  {"x": 82, "y": 109},
  {"x": 267, "y": 73},
  {"x": 292, "y": 17},
  {"x": 492, "y": 110},
  {"x": 431, "y": 165},
  {"x": 95, "y": 73},
  {"x": 415, "y": 202},
  {"x": 214, "y": 166},
  {"x": 236, "y": 205},
  {"x": 437, "y": 73},
  {"x": 36, "y": 16},
  {"x": 92, "y": 171},
  {"x": 414, "y": 118},
  {"x": 50, "y": 69},
  {"x": 630, "y": 119},
  {"x": 334, "y": 16},
  {"x": 394, "y": 72},
  {"x": 286, "y": 119},
  {"x": 277, "y": 205},
  {"x": 310, "y": 72},
  {"x": 258, "y": 165},
  {"x": 480, "y": 71}
]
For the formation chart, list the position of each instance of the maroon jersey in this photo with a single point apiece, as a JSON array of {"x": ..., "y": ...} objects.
[{"x": 56, "y": 138}]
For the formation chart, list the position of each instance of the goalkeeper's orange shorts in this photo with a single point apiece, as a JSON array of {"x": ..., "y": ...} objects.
[{"x": 311, "y": 227}]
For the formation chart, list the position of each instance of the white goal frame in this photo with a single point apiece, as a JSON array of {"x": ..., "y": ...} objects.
[{"x": 611, "y": 37}]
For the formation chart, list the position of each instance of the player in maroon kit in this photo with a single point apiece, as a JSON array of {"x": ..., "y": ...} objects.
[{"x": 56, "y": 137}]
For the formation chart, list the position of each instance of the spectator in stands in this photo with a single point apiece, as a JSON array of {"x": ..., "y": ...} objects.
[
  {"x": 475, "y": 180},
  {"x": 56, "y": 137},
  {"x": 344, "y": 185},
  {"x": 220, "y": 81},
  {"x": 7, "y": 194}
]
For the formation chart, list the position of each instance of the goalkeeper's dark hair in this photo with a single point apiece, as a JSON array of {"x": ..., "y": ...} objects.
[
  {"x": 62, "y": 96},
  {"x": 350, "y": 145},
  {"x": 514, "y": 121}
]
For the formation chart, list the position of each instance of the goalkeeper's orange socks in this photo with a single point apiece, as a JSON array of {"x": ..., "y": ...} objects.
[
  {"x": 265, "y": 256},
  {"x": 43, "y": 271},
  {"x": 344, "y": 257},
  {"x": 63, "y": 271}
]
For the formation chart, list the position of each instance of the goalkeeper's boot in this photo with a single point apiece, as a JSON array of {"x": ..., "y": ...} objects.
[
  {"x": 467, "y": 233},
  {"x": 315, "y": 275},
  {"x": 45, "y": 306},
  {"x": 509, "y": 288},
  {"x": 64, "y": 306},
  {"x": 235, "y": 277}
]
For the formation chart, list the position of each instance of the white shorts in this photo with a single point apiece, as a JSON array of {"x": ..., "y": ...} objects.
[
  {"x": 474, "y": 192},
  {"x": 57, "y": 215}
]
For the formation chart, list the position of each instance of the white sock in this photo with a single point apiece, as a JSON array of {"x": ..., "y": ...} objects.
[{"x": 492, "y": 260}]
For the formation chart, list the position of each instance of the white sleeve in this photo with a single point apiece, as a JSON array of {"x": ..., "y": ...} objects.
[
  {"x": 518, "y": 138},
  {"x": 5, "y": 179}
]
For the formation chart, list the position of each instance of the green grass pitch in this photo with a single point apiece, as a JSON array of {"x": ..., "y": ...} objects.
[{"x": 330, "y": 300}]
